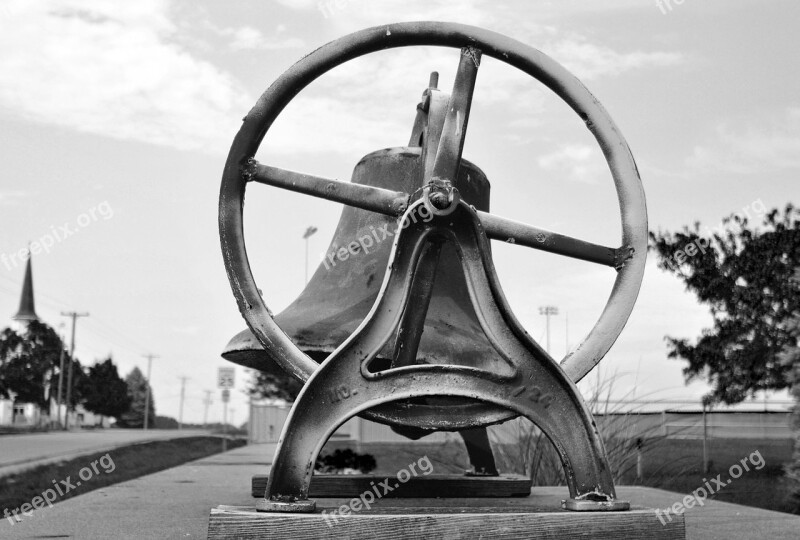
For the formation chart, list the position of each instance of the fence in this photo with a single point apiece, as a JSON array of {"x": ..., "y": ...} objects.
[{"x": 267, "y": 423}]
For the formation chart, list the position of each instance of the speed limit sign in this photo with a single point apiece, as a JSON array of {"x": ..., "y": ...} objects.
[{"x": 225, "y": 377}]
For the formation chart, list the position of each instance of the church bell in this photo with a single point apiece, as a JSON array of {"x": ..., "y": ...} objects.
[{"x": 344, "y": 287}]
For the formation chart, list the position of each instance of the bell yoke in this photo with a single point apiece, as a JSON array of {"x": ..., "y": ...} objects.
[{"x": 399, "y": 343}]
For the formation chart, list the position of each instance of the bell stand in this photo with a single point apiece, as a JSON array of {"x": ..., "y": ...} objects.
[
  {"x": 483, "y": 478},
  {"x": 532, "y": 384}
]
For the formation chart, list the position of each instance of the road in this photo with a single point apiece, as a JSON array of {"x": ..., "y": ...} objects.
[{"x": 19, "y": 452}]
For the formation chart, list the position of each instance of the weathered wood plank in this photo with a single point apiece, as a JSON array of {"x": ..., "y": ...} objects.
[
  {"x": 434, "y": 485},
  {"x": 244, "y": 523}
]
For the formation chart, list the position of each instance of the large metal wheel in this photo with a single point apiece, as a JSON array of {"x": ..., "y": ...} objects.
[{"x": 627, "y": 260}]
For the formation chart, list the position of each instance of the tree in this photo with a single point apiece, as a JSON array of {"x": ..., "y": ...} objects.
[
  {"x": 791, "y": 357},
  {"x": 274, "y": 385},
  {"x": 104, "y": 391},
  {"x": 137, "y": 391},
  {"x": 744, "y": 275},
  {"x": 29, "y": 363}
]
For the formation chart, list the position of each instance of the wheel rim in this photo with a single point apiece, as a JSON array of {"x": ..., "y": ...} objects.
[{"x": 529, "y": 60}]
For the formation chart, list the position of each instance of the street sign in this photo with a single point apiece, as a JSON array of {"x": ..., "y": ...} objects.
[
  {"x": 225, "y": 377},
  {"x": 226, "y": 395}
]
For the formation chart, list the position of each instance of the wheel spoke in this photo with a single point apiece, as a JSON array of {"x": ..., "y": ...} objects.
[
  {"x": 383, "y": 201},
  {"x": 451, "y": 143},
  {"x": 394, "y": 203},
  {"x": 498, "y": 228}
]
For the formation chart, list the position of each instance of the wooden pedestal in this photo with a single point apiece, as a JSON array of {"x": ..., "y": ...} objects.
[{"x": 537, "y": 516}]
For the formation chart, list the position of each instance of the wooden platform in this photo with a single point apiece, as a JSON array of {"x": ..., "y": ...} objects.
[
  {"x": 433, "y": 485},
  {"x": 537, "y": 516}
]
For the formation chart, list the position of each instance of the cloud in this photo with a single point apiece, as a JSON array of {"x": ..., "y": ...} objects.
[
  {"x": 576, "y": 162},
  {"x": 753, "y": 146},
  {"x": 113, "y": 69},
  {"x": 126, "y": 71},
  {"x": 12, "y": 198},
  {"x": 590, "y": 61},
  {"x": 247, "y": 37}
]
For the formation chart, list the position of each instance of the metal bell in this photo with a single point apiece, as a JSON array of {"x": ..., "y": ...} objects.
[{"x": 345, "y": 285}]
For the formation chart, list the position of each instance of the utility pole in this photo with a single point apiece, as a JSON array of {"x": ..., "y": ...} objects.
[
  {"x": 147, "y": 392},
  {"x": 59, "y": 402},
  {"x": 309, "y": 232},
  {"x": 207, "y": 401},
  {"x": 547, "y": 311},
  {"x": 566, "y": 334},
  {"x": 180, "y": 414},
  {"x": 74, "y": 315}
]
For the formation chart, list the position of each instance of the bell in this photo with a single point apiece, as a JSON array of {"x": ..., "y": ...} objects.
[{"x": 344, "y": 287}]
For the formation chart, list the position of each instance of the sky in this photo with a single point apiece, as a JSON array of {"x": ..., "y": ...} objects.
[{"x": 116, "y": 118}]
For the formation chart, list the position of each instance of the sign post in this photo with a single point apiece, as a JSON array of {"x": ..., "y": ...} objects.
[{"x": 225, "y": 381}]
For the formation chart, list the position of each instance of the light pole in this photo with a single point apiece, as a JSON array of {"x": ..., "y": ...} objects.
[
  {"x": 147, "y": 390},
  {"x": 207, "y": 401},
  {"x": 74, "y": 315},
  {"x": 547, "y": 311},
  {"x": 306, "y": 235},
  {"x": 60, "y": 373},
  {"x": 180, "y": 413}
]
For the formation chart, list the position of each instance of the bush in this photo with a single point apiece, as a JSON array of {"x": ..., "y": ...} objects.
[{"x": 345, "y": 462}]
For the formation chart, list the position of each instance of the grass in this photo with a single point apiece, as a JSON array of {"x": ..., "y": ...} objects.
[
  {"x": 120, "y": 465},
  {"x": 671, "y": 464},
  {"x": 764, "y": 488}
]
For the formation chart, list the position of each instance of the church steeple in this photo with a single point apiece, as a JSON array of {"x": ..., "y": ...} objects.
[{"x": 26, "y": 311}]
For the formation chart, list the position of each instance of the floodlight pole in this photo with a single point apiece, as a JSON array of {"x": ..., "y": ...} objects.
[
  {"x": 309, "y": 232},
  {"x": 547, "y": 311}
]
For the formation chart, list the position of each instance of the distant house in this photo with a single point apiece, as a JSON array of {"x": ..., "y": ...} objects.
[{"x": 19, "y": 414}]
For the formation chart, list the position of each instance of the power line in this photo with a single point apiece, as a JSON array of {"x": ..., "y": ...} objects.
[{"x": 58, "y": 304}]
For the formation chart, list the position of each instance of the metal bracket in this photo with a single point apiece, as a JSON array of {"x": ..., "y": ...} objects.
[{"x": 533, "y": 384}]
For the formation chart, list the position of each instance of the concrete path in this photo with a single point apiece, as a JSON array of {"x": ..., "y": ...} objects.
[
  {"x": 176, "y": 504},
  {"x": 170, "y": 504},
  {"x": 20, "y": 452}
]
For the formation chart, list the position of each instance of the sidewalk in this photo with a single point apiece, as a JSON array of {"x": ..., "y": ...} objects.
[
  {"x": 176, "y": 504},
  {"x": 169, "y": 504}
]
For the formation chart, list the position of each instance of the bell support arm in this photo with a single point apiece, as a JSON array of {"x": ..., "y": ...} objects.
[
  {"x": 382, "y": 201},
  {"x": 394, "y": 203},
  {"x": 451, "y": 143}
]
